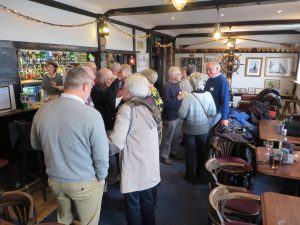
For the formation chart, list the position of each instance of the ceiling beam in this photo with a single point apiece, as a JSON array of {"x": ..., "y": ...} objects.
[
  {"x": 73, "y": 9},
  {"x": 191, "y": 6},
  {"x": 243, "y": 33},
  {"x": 227, "y": 24},
  {"x": 66, "y": 7}
]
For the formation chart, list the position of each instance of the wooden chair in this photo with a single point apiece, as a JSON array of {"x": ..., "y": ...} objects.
[
  {"x": 287, "y": 105},
  {"x": 217, "y": 198},
  {"x": 17, "y": 206},
  {"x": 235, "y": 166},
  {"x": 245, "y": 209},
  {"x": 25, "y": 150}
]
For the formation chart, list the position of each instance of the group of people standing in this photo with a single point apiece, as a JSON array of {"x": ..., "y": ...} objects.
[{"x": 134, "y": 122}]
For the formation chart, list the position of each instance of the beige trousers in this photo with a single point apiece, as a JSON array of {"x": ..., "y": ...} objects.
[{"x": 78, "y": 199}]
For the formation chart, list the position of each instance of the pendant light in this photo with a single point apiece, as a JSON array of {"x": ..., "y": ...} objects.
[
  {"x": 179, "y": 4},
  {"x": 217, "y": 34}
]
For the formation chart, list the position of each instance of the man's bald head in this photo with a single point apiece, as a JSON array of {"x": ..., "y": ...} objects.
[
  {"x": 89, "y": 71},
  {"x": 105, "y": 77}
]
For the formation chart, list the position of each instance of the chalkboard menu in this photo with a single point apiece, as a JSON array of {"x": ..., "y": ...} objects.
[{"x": 8, "y": 64}]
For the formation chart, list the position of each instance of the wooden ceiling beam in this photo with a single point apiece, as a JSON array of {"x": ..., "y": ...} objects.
[
  {"x": 191, "y": 6},
  {"x": 66, "y": 7},
  {"x": 243, "y": 33},
  {"x": 227, "y": 24}
]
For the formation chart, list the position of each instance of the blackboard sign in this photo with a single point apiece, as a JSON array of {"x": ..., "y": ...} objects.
[{"x": 8, "y": 64}]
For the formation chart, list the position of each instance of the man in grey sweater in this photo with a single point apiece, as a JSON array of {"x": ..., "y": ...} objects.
[{"x": 73, "y": 139}]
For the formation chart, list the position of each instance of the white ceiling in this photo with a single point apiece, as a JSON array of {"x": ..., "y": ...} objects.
[{"x": 290, "y": 10}]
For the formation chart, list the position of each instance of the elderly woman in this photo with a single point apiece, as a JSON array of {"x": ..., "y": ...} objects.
[
  {"x": 135, "y": 136},
  {"x": 151, "y": 76},
  {"x": 196, "y": 109}
]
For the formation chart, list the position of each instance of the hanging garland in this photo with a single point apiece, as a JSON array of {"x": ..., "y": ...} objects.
[
  {"x": 16, "y": 13},
  {"x": 169, "y": 45}
]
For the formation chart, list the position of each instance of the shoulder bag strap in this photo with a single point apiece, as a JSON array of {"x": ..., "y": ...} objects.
[{"x": 201, "y": 105}]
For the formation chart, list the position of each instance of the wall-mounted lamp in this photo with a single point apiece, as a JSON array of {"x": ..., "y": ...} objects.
[
  {"x": 217, "y": 32},
  {"x": 131, "y": 61},
  {"x": 231, "y": 41},
  {"x": 179, "y": 4},
  {"x": 103, "y": 29}
]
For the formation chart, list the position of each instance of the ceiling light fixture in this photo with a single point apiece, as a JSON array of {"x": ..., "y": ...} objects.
[
  {"x": 103, "y": 29},
  {"x": 179, "y": 4},
  {"x": 217, "y": 34},
  {"x": 231, "y": 41},
  {"x": 173, "y": 18},
  {"x": 279, "y": 11}
]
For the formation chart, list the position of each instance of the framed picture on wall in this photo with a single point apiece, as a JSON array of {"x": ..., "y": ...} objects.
[
  {"x": 242, "y": 90},
  {"x": 279, "y": 66},
  {"x": 192, "y": 61},
  {"x": 258, "y": 90},
  {"x": 272, "y": 84},
  {"x": 287, "y": 92},
  {"x": 209, "y": 58},
  {"x": 234, "y": 90},
  {"x": 251, "y": 90},
  {"x": 253, "y": 67}
]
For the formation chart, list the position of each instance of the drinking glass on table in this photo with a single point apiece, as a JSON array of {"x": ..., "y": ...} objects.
[
  {"x": 269, "y": 145},
  {"x": 276, "y": 160}
]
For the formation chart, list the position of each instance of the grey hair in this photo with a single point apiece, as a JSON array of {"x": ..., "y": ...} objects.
[
  {"x": 172, "y": 71},
  {"x": 151, "y": 75},
  {"x": 137, "y": 85},
  {"x": 114, "y": 66},
  {"x": 126, "y": 68},
  {"x": 75, "y": 78},
  {"x": 197, "y": 81},
  {"x": 191, "y": 69},
  {"x": 215, "y": 64}
]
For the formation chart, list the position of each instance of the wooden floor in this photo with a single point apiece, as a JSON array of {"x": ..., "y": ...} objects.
[{"x": 43, "y": 208}]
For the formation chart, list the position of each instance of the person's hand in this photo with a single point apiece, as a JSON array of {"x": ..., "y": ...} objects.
[
  {"x": 101, "y": 181},
  {"x": 181, "y": 95},
  {"x": 53, "y": 84},
  {"x": 224, "y": 123}
]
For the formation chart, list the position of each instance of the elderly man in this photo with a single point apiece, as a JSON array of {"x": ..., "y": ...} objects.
[
  {"x": 93, "y": 66},
  {"x": 170, "y": 115},
  {"x": 104, "y": 95},
  {"x": 218, "y": 86},
  {"x": 74, "y": 142},
  {"x": 115, "y": 67}
]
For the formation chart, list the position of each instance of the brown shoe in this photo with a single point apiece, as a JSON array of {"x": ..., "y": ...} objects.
[{"x": 166, "y": 161}]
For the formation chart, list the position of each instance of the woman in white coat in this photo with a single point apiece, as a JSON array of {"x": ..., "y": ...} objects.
[{"x": 135, "y": 136}]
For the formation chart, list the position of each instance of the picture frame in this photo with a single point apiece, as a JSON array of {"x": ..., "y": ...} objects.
[
  {"x": 251, "y": 90},
  {"x": 287, "y": 92},
  {"x": 242, "y": 90},
  {"x": 234, "y": 90},
  {"x": 209, "y": 58},
  {"x": 197, "y": 61},
  {"x": 279, "y": 66},
  {"x": 253, "y": 67},
  {"x": 258, "y": 90},
  {"x": 272, "y": 84}
]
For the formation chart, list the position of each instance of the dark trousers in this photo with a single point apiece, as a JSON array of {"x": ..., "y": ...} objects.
[
  {"x": 196, "y": 155},
  {"x": 140, "y": 208}
]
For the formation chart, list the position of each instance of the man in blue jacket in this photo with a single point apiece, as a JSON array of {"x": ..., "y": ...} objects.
[{"x": 218, "y": 86}]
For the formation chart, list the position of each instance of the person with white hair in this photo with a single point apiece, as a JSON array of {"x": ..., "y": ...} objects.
[
  {"x": 73, "y": 139},
  {"x": 170, "y": 115},
  {"x": 115, "y": 67},
  {"x": 196, "y": 109},
  {"x": 218, "y": 86},
  {"x": 135, "y": 136}
]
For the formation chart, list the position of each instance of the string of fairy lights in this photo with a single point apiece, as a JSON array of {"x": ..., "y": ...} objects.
[
  {"x": 100, "y": 19},
  {"x": 169, "y": 45}
]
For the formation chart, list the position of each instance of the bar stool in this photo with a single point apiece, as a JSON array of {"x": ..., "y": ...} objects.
[
  {"x": 26, "y": 150},
  {"x": 287, "y": 105}
]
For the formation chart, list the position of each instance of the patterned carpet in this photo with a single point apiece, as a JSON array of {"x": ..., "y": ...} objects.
[{"x": 179, "y": 203}]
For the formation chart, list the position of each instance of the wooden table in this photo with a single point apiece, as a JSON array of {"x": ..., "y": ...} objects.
[
  {"x": 290, "y": 171},
  {"x": 276, "y": 207},
  {"x": 268, "y": 132}
]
